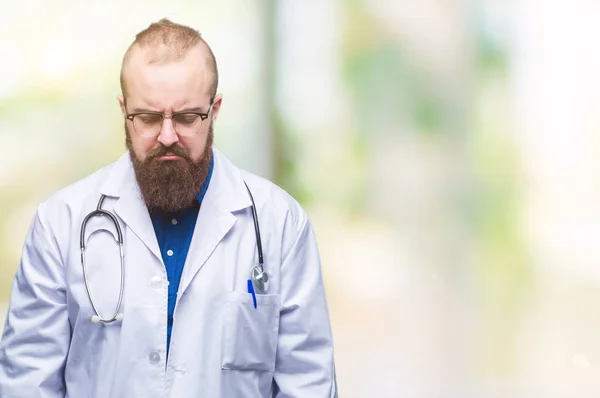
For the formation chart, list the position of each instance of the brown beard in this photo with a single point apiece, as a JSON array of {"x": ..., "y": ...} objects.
[{"x": 170, "y": 185}]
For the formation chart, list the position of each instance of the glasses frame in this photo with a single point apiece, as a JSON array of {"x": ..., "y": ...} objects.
[{"x": 163, "y": 116}]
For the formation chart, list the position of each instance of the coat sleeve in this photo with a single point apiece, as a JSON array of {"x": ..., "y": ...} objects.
[
  {"x": 36, "y": 335},
  {"x": 305, "y": 361}
]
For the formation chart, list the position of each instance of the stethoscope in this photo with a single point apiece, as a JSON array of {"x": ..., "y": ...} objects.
[{"x": 258, "y": 275}]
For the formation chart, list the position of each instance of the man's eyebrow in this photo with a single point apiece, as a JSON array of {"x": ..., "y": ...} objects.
[
  {"x": 143, "y": 110},
  {"x": 194, "y": 109}
]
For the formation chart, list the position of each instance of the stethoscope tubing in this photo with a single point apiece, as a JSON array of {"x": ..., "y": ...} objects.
[
  {"x": 100, "y": 212},
  {"x": 258, "y": 275}
]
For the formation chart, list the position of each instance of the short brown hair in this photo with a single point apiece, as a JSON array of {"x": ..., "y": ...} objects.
[{"x": 177, "y": 40}]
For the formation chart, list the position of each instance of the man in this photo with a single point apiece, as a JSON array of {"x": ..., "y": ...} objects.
[{"x": 192, "y": 314}]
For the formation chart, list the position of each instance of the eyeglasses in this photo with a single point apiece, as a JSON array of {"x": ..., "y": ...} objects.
[{"x": 149, "y": 124}]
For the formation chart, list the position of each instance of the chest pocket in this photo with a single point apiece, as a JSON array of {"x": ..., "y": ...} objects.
[{"x": 250, "y": 334}]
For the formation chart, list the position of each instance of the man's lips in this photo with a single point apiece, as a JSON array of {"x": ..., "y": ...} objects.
[{"x": 170, "y": 157}]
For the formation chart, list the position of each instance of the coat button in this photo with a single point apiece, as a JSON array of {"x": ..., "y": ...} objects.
[
  {"x": 154, "y": 357},
  {"x": 156, "y": 282},
  {"x": 169, "y": 252}
]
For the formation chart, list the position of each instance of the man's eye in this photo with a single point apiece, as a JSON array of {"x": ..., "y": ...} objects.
[
  {"x": 149, "y": 119},
  {"x": 188, "y": 118}
]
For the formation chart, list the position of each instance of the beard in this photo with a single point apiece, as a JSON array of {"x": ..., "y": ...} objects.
[{"x": 170, "y": 185}]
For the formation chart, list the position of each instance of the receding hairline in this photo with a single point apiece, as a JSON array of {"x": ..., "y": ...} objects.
[{"x": 164, "y": 42}]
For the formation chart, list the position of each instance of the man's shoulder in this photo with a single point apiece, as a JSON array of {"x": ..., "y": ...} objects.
[
  {"x": 269, "y": 198},
  {"x": 74, "y": 192},
  {"x": 268, "y": 189},
  {"x": 272, "y": 199}
]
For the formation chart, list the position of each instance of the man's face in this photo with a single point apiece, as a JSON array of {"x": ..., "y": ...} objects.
[{"x": 170, "y": 167}]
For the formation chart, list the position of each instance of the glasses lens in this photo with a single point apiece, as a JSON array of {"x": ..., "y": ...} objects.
[
  {"x": 187, "y": 123},
  {"x": 147, "y": 124}
]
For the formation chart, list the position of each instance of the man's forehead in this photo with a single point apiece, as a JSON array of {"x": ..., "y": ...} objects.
[
  {"x": 171, "y": 91},
  {"x": 141, "y": 104},
  {"x": 161, "y": 54},
  {"x": 191, "y": 70}
]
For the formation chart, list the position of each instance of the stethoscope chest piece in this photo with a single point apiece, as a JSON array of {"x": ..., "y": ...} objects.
[{"x": 260, "y": 279}]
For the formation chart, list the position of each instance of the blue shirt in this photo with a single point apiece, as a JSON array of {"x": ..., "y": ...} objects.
[{"x": 174, "y": 234}]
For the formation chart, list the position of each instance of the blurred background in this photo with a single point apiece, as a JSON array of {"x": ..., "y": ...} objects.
[{"x": 447, "y": 152}]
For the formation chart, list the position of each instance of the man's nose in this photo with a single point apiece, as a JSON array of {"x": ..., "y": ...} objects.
[{"x": 168, "y": 136}]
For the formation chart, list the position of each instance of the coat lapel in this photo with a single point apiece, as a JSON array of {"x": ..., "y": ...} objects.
[
  {"x": 130, "y": 206},
  {"x": 211, "y": 227},
  {"x": 225, "y": 195},
  {"x": 134, "y": 213}
]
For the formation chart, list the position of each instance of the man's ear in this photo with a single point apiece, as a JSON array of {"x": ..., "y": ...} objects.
[
  {"x": 122, "y": 105},
  {"x": 216, "y": 106}
]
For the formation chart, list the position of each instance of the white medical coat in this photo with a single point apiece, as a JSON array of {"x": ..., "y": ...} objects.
[{"x": 221, "y": 346}]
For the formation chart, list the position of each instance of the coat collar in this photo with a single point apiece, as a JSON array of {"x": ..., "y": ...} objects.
[
  {"x": 225, "y": 195},
  {"x": 226, "y": 189}
]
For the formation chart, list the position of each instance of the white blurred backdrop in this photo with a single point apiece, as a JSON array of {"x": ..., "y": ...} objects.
[{"x": 446, "y": 151}]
